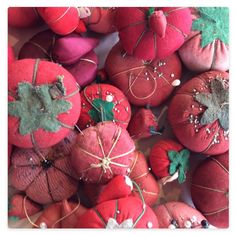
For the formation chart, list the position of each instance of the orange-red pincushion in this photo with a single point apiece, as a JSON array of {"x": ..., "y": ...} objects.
[{"x": 210, "y": 189}]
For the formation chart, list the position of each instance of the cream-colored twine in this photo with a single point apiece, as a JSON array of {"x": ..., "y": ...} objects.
[
  {"x": 88, "y": 60},
  {"x": 60, "y": 17},
  {"x": 208, "y": 188},
  {"x": 217, "y": 211},
  {"x": 221, "y": 165}
]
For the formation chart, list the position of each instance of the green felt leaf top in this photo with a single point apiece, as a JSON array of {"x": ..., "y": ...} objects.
[
  {"x": 36, "y": 108},
  {"x": 151, "y": 11},
  {"x": 217, "y": 103},
  {"x": 179, "y": 162},
  {"x": 213, "y": 24},
  {"x": 102, "y": 110}
]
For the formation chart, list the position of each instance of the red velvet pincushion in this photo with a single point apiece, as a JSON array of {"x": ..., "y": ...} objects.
[
  {"x": 178, "y": 215},
  {"x": 101, "y": 152},
  {"x": 46, "y": 176},
  {"x": 44, "y": 103},
  {"x": 11, "y": 56},
  {"x": 169, "y": 160},
  {"x": 101, "y": 19},
  {"x": 210, "y": 190},
  {"x": 143, "y": 82},
  {"x": 204, "y": 50},
  {"x": 198, "y": 113},
  {"x": 103, "y": 102},
  {"x": 149, "y": 33}
]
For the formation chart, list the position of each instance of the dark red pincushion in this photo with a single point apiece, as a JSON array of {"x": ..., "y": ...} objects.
[
  {"x": 62, "y": 214},
  {"x": 139, "y": 36},
  {"x": 210, "y": 189},
  {"x": 121, "y": 107},
  {"x": 47, "y": 72},
  {"x": 46, "y": 176},
  {"x": 101, "y": 20},
  {"x": 123, "y": 209},
  {"x": 23, "y": 17},
  {"x": 178, "y": 211},
  {"x": 184, "y": 117},
  {"x": 11, "y": 56},
  {"x": 101, "y": 152},
  {"x": 159, "y": 160},
  {"x": 143, "y": 82}
]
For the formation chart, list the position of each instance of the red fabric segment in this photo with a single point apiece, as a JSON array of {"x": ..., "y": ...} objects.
[
  {"x": 183, "y": 105},
  {"x": 143, "y": 83},
  {"x": 159, "y": 160},
  {"x": 211, "y": 175},
  {"x": 11, "y": 56}
]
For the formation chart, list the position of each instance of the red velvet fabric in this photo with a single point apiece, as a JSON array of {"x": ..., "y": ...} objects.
[
  {"x": 101, "y": 20},
  {"x": 184, "y": 107},
  {"x": 9, "y": 155},
  {"x": 43, "y": 184},
  {"x": 128, "y": 208},
  {"x": 11, "y": 56},
  {"x": 23, "y": 17},
  {"x": 210, "y": 189},
  {"x": 158, "y": 158},
  {"x": 61, "y": 215},
  {"x": 121, "y": 110},
  {"x": 180, "y": 212},
  {"x": 61, "y": 20},
  {"x": 139, "y": 40},
  {"x": 141, "y": 123},
  {"x": 22, "y": 70},
  {"x": 101, "y": 152},
  {"x": 143, "y": 83},
  {"x": 18, "y": 207},
  {"x": 214, "y": 56}
]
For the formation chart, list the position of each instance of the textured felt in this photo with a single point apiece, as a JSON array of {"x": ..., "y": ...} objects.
[
  {"x": 140, "y": 173},
  {"x": 11, "y": 56},
  {"x": 210, "y": 189},
  {"x": 69, "y": 49},
  {"x": 9, "y": 154},
  {"x": 52, "y": 47},
  {"x": 101, "y": 152},
  {"x": 185, "y": 113},
  {"x": 143, "y": 83},
  {"x": 166, "y": 159},
  {"x": 143, "y": 124},
  {"x": 96, "y": 106},
  {"x": 101, "y": 20},
  {"x": 17, "y": 207},
  {"x": 23, "y": 17},
  {"x": 46, "y": 73},
  {"x": 61, "y": 215},
  {"x": 121, "y": 209},
  {"x": 41, "y": 181},
  {"x": 178, "y": 211},
  {"x": 61, "y": 20},
  {"x": 213, "y": 56},
  {"x": 141, "y": 41}
]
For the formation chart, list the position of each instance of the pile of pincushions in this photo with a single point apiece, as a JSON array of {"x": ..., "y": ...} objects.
[{"x": 76, "y": 127}]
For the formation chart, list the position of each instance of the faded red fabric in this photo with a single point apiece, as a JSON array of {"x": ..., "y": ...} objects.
[
  {"x": 141, "y": 124},
  {"x": 101, "y": 152},
  {"x": 158, "y": 158},
  {"x": 61, "y": 215},
  {"x": 183, "y": 108},
  {"x": 11, "y": 56},
  {"x": 140, "y": 173},
  {"x": 101, "y": 20},
  {"x": 47, "y": 72},
  {"x": 180, "y": 212},
  {"x": 9, "y": 155},
  {"x": 122, "y": 209},
  {"x": 23, "y": 17},
  {"x": 121, "y": 110},
  {"x": 214, "y": 56},
  {"x": 44, "y": 184},
  {"x": 210, "y": 189},
  {"x": 143, "y": 83},
  {"x": 139, "y": 40},
  {"x": 74, "y": 52},
  {"x": 61, "y": 20},
  {"x": 18, "y": 207}
]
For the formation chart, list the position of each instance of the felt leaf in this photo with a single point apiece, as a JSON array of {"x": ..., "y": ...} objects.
[
  {"x": 151, "y": 10},
  {"x": 102, "y": 110},
  {"x": 213, "y": 24},
  {"x": 172, "y": 155},
  {"x": 182, "y": 175},
  {"x": 172, "y": 168},
  {"x": 36, "y": 108},
  {"x": 217, "y": 103}
]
